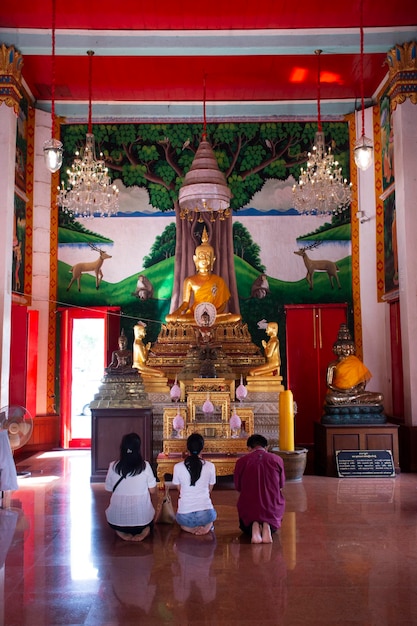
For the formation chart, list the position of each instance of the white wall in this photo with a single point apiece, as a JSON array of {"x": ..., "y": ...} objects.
[{"x": 375, "y": 320}]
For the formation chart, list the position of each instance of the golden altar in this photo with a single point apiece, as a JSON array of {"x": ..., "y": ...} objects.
[{"x": 222, "y": 445}]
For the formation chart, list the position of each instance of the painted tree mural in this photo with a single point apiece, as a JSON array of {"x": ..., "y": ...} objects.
[{"x": 157, "y": 157}]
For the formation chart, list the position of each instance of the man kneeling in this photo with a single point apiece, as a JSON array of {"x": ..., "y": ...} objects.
[{"x": 259, "y": 477}]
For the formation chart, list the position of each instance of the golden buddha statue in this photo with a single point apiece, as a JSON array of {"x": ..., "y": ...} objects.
[
  {"x": 347, "y": 376},
  {"x": 204, "y": 286},
  {"x": 272, "y": 355},
  {"x": 141, "y": 353}
]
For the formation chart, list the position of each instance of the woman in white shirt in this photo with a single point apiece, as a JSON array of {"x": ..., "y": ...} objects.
[
  {"x": 131, "y": 481},
  {"x": 195, "y": 479}
]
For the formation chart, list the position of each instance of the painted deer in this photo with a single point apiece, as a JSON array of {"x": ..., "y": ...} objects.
[
  {"x": 92, "y": 266},
  {"x": 318, "y": 266}
]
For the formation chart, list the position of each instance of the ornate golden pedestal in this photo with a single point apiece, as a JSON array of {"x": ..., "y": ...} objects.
[
  {"x": 175, "y": 341},
  {"x": 155, "y": 385},
  {"x": 222, "y": 446},
  {"x": 264, "y": 383}
]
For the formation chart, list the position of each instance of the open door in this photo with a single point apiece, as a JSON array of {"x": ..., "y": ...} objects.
[{"x": 88, "y": 337}]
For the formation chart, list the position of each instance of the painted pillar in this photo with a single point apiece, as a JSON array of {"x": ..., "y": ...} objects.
[
  {"x": 402, "y": 61},
  {"x": 10, "y": 96},
  {"x": 374, "y": 335}
]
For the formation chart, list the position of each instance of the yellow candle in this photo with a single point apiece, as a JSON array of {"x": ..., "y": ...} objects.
[{"x": 286, "y": 421}]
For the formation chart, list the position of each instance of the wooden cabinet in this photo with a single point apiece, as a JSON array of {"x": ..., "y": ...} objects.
[
  {"x": 107, "y": 429},
  {"x": 329, "y": 438},
  {"x": 311, "y": 331}
]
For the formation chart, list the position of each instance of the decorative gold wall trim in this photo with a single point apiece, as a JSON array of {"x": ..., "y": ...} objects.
[
  {"x": 53, "y": 290},
  {"x": 379, "y": 205},
  {"x": 29, "y": 205},
  {"x": 354, "y": 226},
  {"x": 402, "y": 81},
  {"x": 11, "y": 62}
]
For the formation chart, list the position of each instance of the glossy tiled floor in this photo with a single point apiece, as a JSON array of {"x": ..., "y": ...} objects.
[{"x": 346, "y": 555}]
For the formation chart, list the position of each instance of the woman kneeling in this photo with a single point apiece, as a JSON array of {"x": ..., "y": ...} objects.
[
  {"x": 195, "y": 479},
  {"x": 131, "y": 481}
]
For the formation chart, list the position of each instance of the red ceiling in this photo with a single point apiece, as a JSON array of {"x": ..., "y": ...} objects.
[
  {"x": 179, "y": 78},
  {"x": 235, "y": 76},
  {"x": 214, "y": 14}
]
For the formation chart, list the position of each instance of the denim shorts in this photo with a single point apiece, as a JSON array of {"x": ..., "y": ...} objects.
[{"x": 197, "y": 518}]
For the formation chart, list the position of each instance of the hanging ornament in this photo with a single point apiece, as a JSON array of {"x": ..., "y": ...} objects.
[
  {"x": 241, "y": 391},
  {"x": 175, "y": 391}
]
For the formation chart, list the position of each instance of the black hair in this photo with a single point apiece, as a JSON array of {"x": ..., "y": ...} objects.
[
  {"x": 256, "y": 440},
  {"x": 193, "y": 463},
  {"x": 131, "y": 461}
]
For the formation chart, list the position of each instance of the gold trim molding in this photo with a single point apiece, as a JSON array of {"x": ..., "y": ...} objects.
[
  {"x": 11, "y": 63},
  {"x": 402, "y": 82}
]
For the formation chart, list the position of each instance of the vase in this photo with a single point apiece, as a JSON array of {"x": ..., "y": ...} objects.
[{"x": 295, "y": 462}]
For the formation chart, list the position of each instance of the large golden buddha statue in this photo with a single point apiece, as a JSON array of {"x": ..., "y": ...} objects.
[
  {"x": 347, "y": 376},
  {"x": 204, "y": 286}
]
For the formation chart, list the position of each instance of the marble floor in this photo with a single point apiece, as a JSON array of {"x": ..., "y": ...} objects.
[{"x": 346, "y": 555}]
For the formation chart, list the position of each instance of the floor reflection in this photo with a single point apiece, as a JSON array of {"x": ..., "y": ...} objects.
[{"x": 346, "y": 548}]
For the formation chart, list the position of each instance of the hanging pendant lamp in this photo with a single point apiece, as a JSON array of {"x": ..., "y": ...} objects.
[
  {"x": 363, "y": 151},
  {"x": 205, "y": 188},
  {"x": 53, "y": 148}
]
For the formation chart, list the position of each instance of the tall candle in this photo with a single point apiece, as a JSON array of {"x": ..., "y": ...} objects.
[{"x": 286, "y": 421}]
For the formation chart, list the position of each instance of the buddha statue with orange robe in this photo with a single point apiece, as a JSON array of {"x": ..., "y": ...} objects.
[
  {"x": 347, "y": 376},
  {"x": 204, "y": 286}
]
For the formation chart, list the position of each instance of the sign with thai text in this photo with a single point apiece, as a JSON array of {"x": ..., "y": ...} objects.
[{"x": 364, "y": 463}]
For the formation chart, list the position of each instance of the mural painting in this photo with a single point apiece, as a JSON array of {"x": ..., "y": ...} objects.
[
  {"x": 280, "y": 257},
  {"x": 388, "y": 197},
  {"x": 20, "y": 200}
]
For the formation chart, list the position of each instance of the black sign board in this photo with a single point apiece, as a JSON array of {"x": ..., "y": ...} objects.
[{"x": 364, "y": 463}]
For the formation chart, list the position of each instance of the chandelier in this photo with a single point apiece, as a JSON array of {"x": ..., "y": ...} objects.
[
  {"x": 89, "y": 192},
  {"x": 205, "y": 188},
  {"x": 53, "y": 149},
  {"x": 321, "y": 188},
  {"x": 363, "y": 151}
]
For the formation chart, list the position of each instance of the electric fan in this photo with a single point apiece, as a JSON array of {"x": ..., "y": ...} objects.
[{"x": 18, "y": 423}]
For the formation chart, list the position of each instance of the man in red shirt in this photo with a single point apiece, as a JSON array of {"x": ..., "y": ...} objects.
[{"x": 259, "y": 477}]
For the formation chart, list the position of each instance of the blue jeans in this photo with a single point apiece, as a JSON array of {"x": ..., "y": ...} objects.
[{"x": 196, "y": 518}]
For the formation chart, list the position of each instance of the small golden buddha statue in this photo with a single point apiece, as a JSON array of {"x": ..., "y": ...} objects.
[
  {"x": 347, "y": 376},
  {"x": 141, "y": 352},
  {"x": 272, "y": 355},
  {"x": 204, "y": 286}
]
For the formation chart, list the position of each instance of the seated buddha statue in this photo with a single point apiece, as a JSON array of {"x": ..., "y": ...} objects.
[
  {"x": 347, "y": 376},
  {"x": 204, "y": 286},
  {"x": 122, "y": 361},
  {"x": 272, "y": 356}
]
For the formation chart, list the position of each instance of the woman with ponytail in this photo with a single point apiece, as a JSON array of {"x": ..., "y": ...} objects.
[
  {"x": 195, "y": 479},
  {"x": 131, "y": 481}
]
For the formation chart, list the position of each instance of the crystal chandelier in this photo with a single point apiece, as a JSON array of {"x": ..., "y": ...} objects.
[
  {"x": 321, "y": 188},
  {"x": 89, "y": 192},
  {"x": 363, "y": 151},
  {"x": 53, "y": 149},
  {"x": 205, "y": 188}
]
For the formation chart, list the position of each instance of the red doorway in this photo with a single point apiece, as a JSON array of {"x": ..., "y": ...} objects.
[{"x": 88, "y": 337}]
